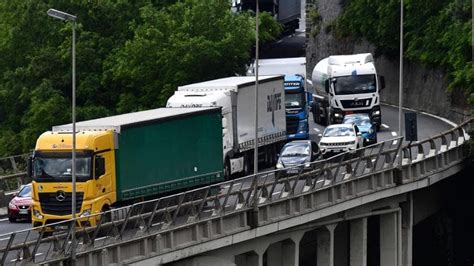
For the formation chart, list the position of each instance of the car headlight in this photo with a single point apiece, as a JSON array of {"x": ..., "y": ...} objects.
[
  {"x": 85, "y": 213},
  {"x": 279, "y": 165},
  {"x": 371, "y": 131},
  {"x": 322, "y": 144},
  {"x": 11, "y": 206},
  {"x": 376, "y": 112},
  {"x": 337, "y": 115},
  {"x": 308, "y": 164},
  {"x": 351, "y": 142},
  {"x": 37, "y": 214}
]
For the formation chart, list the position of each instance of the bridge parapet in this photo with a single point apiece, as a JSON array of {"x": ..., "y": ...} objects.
[{"x": 252, "y": 206}]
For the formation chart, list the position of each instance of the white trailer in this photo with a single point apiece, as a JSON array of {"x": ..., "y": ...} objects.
[
  {"x": 346, "y": 84},
  {"x": 236, "y": 96}
]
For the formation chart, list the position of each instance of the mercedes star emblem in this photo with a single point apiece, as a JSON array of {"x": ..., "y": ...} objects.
[{"x": 60, "y": 195}]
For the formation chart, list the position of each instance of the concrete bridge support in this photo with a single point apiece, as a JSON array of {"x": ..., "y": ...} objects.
[
  {"x": 379, "y": 234},
  {"x": 389, "y": 251},
  {"x": 358, "y": 242}
]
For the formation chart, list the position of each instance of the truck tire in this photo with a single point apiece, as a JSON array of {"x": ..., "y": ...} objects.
[
  {"x": 247, "y": 167},
  {"x": 316, "y": 117},
  {"x": 227, "y": 169}
]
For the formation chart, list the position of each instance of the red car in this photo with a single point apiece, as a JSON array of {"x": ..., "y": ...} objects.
[{"x": 20, "y": 206}]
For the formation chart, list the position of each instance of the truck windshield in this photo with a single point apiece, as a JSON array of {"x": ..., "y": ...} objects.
[
  {"x": 59, "y": 168},
  {"x": 295, "y": 100},
  {"x": 355, "y": 84}
]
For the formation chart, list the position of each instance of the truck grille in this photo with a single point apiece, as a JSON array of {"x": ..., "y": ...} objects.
[
  {"x": 51, "y": 205},
  {"x": 357, "y": 103},
  {"x": 291, "y": 125}
]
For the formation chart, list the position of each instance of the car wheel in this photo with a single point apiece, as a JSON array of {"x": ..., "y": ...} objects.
[{"x": 12, "y": 219}]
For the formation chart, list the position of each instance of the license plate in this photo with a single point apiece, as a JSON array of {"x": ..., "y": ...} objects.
[
  {"x": 23, "y": 211},
  {"x": 61, "y": 227},
  {"x": 292, "y": 171}
]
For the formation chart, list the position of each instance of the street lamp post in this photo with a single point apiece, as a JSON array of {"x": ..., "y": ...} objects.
[
  {"x": 400, "y": 83},
  {"x": 254, "y": 212},
  {"x": 68, "y": 17}
]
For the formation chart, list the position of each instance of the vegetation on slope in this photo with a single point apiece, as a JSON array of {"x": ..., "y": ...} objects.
[{"x": 131, "y": 55}]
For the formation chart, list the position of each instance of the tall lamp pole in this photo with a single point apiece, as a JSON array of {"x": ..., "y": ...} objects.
[
  {"x": 68, "y": 17},
  {"x": 255, "y": 152},
  {"x": 400, "y": 83},
  {"x": 254, "y": 212}
]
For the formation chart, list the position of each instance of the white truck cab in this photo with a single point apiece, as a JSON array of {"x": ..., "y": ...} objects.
[{"x": 346, "y": 84}]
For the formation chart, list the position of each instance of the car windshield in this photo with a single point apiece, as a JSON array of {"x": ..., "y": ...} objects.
[
  {"x": 59, "y": 168},
  {"x": 25, "y": 192},
  {"x": 358, "y": 120},
  {"x": 295, "y": 150},
  {"x": 355, "y": 84},
  {"x": 294, "y": 100},
  {"x": 338, "y": 132}
]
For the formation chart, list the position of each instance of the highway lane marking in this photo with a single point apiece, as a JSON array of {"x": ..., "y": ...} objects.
[
  {"x": 385, "y": 126},
  {"x": 3, "y": 220},
  {"x": 427, "y": 114},
  {"x": 3, "y": 239},
  {"x": 394, "y": 133},
  {"x": 317, "y": 130}
]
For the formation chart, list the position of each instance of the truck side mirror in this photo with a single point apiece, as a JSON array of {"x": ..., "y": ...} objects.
[
  {"x": 326, "y": 85},
  {"x": 99, "y": 167},
  {"x": 29, "y": 165},
  {"x": 382, "y": 82}
]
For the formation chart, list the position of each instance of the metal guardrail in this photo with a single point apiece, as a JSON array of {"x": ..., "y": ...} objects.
[
  {"x": 13, "y": 172},
  {"x": 173, "y": 222}
]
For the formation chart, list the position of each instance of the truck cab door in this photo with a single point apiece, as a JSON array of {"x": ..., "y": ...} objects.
[{"x": 102, "y": 182}]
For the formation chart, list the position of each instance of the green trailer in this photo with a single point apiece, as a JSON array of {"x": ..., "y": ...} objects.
[{"x": 179, "y": 149}]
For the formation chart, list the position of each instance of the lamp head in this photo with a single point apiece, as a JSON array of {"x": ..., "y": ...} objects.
[{"x": 61, "y": 15}]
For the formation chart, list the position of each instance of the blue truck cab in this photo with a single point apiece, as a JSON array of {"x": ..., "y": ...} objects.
[{"x": 296, "y": 107}]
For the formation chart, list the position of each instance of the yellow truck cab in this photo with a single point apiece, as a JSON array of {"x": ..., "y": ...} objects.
[{"x": 52, "y": 187}]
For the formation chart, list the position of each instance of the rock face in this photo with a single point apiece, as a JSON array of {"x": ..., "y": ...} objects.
[{"x": 423, "y": 89}]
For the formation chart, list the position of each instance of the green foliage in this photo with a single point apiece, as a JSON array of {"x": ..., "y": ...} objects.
[
  {"x": 131, "y": 55},
  {"x": 315, "y": 19},
  {"x": 437, "y": 33}
]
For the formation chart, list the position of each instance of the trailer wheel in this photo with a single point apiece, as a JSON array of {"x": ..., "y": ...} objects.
[{"x": 227, "y": 169}]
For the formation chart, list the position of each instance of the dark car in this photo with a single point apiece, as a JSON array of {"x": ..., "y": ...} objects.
[
  {"x": 20, "y": 206},
  {"x": 365, "y": 125},
  {"x": 297, "y": 153}
]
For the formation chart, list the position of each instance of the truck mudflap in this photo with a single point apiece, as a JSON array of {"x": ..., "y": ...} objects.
[{"x": 263, "y": 141}]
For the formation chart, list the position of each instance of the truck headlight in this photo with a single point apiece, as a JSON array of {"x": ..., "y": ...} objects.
[
  {"x": 337, "y": 115},
  {"x": 303, "y": 125},
  {"x": 37, "y": 214},
  {"x": 85, "y": 213},
  {"x": 279, "y": 165}
]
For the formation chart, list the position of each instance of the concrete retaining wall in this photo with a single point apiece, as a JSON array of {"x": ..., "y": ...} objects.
[{"x": 424, "y": 89}]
